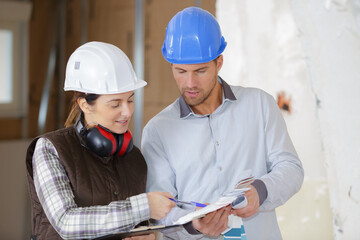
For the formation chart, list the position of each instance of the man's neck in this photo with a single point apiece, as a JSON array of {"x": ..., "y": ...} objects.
[{"x": 211, "y": 103}]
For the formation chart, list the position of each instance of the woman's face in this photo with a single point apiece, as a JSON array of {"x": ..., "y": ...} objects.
[{"x": 112, "y": 111}]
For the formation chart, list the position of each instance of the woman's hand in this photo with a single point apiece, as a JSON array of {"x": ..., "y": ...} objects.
[{"x": 160, "y": 204}]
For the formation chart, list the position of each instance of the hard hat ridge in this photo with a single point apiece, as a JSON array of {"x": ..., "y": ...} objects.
[{"x": 193, "y": 36}]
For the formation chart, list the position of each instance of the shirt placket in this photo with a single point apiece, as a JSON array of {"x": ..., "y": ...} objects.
[{"x": 217, "y": 145}]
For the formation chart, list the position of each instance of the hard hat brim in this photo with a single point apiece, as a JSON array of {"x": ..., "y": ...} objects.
[
  {"x": 184, "y": 60},
  {"x": 139, "y": 84}
]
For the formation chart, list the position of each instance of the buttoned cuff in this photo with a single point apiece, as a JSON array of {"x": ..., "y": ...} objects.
[
  {"x": 261, "y": 189},
  {"x": 140, "y": 207}
]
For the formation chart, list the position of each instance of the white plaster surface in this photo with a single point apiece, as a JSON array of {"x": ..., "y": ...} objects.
[
  {"x": 331, "y": 42},
  {"x": 309, "y": 50},
  {"x": 266, "y": 43}
]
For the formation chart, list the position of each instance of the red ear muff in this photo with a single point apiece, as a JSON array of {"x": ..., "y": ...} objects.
[
  {"x": 125, "y": 143},
  {"x": 101, "y": 141}
]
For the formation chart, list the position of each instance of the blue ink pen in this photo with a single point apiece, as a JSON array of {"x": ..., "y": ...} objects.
[{"x": 189, "y": 203}]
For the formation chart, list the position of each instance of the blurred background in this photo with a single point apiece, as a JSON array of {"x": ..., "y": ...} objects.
[{"x": 305, "y": 53}]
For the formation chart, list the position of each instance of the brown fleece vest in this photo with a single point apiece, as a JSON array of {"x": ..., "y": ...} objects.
[{"x": 94, "y": 180}]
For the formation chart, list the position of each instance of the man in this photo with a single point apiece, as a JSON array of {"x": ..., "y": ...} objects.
[{"x": 198, "y": 147}]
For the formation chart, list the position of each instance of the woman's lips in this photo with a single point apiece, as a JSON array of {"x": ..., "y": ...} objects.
[{"x": 122, "y": 122}]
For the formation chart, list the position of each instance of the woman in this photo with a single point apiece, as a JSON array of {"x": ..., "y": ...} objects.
[{"x": 88, "y": 180}]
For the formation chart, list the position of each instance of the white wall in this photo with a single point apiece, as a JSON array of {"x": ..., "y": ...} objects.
[
  {"x": 310, "y": 50},
  {"x": 331, "y": 42}
]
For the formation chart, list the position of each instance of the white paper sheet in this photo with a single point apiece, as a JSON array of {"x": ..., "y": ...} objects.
[{"x": 221, "y": 202}]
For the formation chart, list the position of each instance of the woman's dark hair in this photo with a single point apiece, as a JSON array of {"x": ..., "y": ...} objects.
[{"x": 75, "y": 109}]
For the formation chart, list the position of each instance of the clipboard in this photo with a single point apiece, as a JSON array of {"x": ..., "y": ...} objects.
[
  {"x": 226, "y": 199},
  {"x": 143, "y": 230}
]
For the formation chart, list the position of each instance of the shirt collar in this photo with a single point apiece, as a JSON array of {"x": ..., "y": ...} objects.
[{"x": 185, "y": 109}]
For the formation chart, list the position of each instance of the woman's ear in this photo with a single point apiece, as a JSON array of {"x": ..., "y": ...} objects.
[{"x": 84, "y": 106}]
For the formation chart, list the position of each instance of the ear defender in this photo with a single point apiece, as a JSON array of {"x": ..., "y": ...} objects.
[
  {"x": 103, "y": 142},
  {"x": 106, "y": 143},
  {"x": 125, "y": 143}
]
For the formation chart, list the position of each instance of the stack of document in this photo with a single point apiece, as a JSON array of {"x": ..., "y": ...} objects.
[{"x": 235, "y": 197}]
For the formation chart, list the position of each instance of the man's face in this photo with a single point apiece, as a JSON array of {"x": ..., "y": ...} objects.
[{"x": 196, "y": 81}]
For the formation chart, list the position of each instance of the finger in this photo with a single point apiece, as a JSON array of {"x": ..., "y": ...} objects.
[
  {"x": 199, "y": 225},
  {"x": 166, "y": 202},
  {"x": 207, "y": 224},
  {"x": 208, "y": 218},
  {"x": 204, "y": 224},
  {"x": 213, "y": 225},
  {"x": 166, "y": 194},
  {"x": 222, "y": 223},
  {"x": 197, "y": 208},
  {"x": 248, "y": 211},
  {"x": 218, "y": 214},
  {"x": 223, "y": 210},
  {"x": 242, "y": 211},
  {"x": 169, "y": 204}
]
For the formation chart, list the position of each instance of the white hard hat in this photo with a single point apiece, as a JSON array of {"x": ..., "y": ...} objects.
[{"x": 100, "y": 68}]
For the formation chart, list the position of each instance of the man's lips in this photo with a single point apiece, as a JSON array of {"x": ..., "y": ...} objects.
[{"x": 192, "y": 94}]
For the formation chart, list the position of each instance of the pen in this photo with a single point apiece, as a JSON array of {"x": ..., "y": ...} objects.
[{"x": 189, "y": 203}]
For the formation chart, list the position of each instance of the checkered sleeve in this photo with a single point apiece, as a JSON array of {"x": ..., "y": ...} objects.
[
  {"x": 140, "y": 207},
  {"x": 70, "y": 221}
]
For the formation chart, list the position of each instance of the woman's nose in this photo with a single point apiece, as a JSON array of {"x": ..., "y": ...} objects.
[{"x": 127, "y": 110}]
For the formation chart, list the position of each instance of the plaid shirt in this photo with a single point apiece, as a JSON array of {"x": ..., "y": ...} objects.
[{"x": 70, "y": 221}]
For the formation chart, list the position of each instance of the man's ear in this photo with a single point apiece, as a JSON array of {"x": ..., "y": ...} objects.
[
  {"x": 219, "y": 62},
  {"x": 84, "y": 106}
]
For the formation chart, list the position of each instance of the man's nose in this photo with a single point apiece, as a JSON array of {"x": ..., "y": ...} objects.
[{"x": 191, "y": 80}]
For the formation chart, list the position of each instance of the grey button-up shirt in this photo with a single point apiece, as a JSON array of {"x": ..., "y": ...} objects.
[{"x": 199, "y": 157}]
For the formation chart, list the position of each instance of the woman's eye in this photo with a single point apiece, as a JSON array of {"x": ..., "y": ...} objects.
[{"x": 115, "y": 106}]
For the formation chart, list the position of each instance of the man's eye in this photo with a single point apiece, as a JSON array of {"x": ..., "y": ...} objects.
[{"x": 115, "y": 106}]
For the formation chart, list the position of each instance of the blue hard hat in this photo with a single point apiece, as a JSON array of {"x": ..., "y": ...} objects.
[{"x": 193, "y": 36}]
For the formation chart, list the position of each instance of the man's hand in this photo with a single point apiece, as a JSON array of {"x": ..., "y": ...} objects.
[
  {"x": 253, "y": 204},
  {"x": 143, "y": 237},
  {"x": 214, "y": 223}
]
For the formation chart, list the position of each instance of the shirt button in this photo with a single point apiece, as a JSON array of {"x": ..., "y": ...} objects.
[
  {"x": 220, "y": 168},
  {"x": 116, "y": 193},
  {"x": 217, "y": 143}
]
